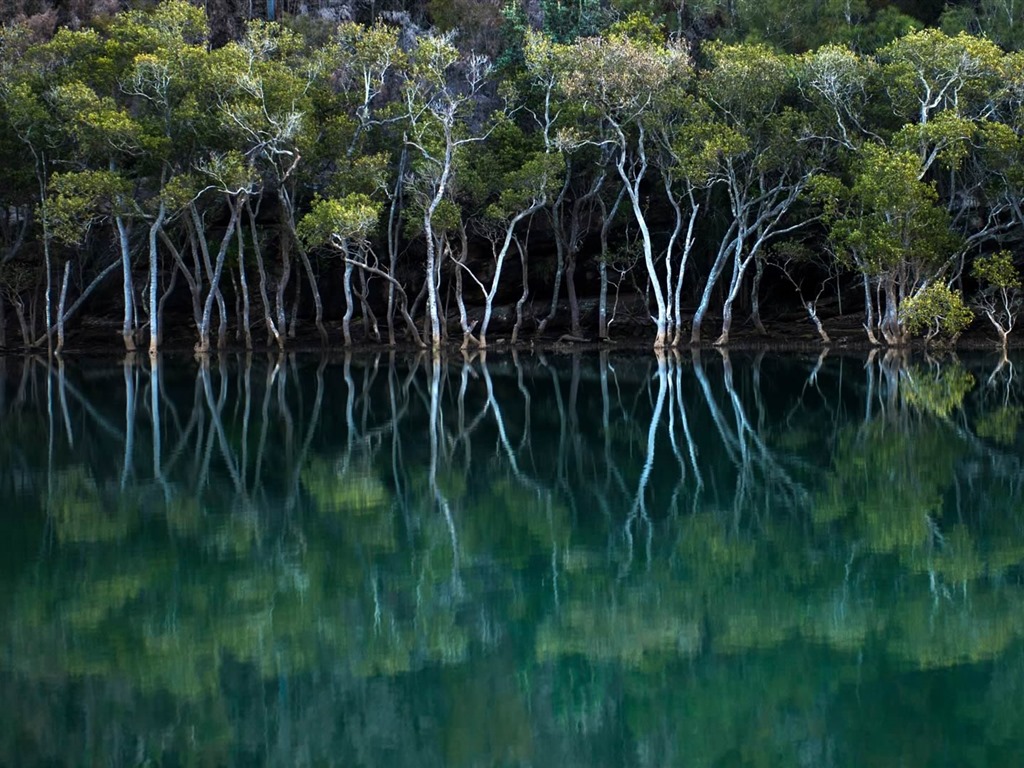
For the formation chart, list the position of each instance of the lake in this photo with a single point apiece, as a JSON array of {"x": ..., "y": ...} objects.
[{"x": 529, "y": 559}]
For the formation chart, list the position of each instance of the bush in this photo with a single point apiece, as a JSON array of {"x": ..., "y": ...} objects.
[{"x": 936, "y": 311}]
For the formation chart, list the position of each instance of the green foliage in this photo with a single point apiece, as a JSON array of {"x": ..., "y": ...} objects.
[
  {"x": 936, "y": 311},
  {"x": 339, "y": 220},
  {"x": 79, "y": 200},
  {"x": 997, "y": 270}
]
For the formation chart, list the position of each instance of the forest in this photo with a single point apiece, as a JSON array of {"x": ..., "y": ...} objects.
[{"x": 458, "y": 173}]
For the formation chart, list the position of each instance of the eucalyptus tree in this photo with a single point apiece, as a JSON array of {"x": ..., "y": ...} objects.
[
  {"x": 945, "y": 92},
  {"x": 443, "y": 95},
  {"x": 103, "y": 135},
  {"x": 357, "y": 116},
  {"x": 29, "y": 142},
  {"x": 346, "y": 224},
  {"x": 571, "y": 210},
  {"x": 765, "y": 163},
  {"x": 266, "y": 104},
  {"x": 171, "y": 40},
  {"x": 229, "y": 179},
  {"x": 621, "y": 78},
  {"x": 1001, "y": 296},
  {"x": 889, "y": 226},
  {"x": 515, "y": 177}
]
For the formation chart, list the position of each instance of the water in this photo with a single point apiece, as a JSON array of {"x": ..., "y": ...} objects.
[{"x": 561, "y": 560}]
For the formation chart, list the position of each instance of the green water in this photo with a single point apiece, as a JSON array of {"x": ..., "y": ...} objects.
[{"x": 549, "y": 561}]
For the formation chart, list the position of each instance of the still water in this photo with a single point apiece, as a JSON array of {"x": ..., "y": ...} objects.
[{"x": 524, "y": 560}]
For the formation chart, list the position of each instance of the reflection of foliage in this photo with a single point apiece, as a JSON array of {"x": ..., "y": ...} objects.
[
  {"x": 337, "y": 488},
  {"x": 340, "y": 586},
  {"x": 82, "y": 513},
  {"x": 937, "y": 391},
  {"x": 889, "y": 484},
  {"x": 1002, "y": 424}
]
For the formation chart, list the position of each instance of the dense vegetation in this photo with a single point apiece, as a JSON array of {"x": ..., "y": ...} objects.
[{"x": 312, "y": 172}]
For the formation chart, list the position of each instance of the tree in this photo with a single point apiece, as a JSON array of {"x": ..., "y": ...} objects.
[
  {"x": 935, "y": 310},
  {"x": 621, "y": 79},
  {"x": 888, "y": 226},
  {"x": 1000, "y": 296},
  {"x": 442, "y": 96},
  {"x": 764, "y": 167}
]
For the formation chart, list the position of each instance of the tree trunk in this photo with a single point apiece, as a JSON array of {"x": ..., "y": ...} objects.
[
  {"x": 524, "y": 295},
  {"x": 346, "y": 321},
  {"x": 19, "y": 311},
  {"x": 203, "y": 347},
  {"x": 394, "y": 233},
  {"x": 168, "y": 292},
  {"x": 317, "y": 302},
  {"x": 755, "y": 298},
  {"x": 128, "y": 329},
  {"x": 724, "y": 250},
  {"x": 243, "y": 278},
  {"x": 154, "y": 271},
  {"x": 286, "y": 270},
  {"x": 275, "y": 334},
  {"x": 293, "y": 321},
  {"x": 371, "y": 329},
  {"x": 633, "y": 190},
  {"x": 574, "y": 303},
  {"x": 60, "y": 306},
  {"x": 869, "y": 311}
]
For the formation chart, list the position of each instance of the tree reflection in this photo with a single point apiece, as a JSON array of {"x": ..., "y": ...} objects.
[{"x": 631, "y": 559}]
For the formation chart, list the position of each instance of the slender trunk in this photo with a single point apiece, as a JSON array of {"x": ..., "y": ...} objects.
[
  {"x": 432, "y": 259},
  {"x": 460, "y": 301},
  {"x": 574, "y": 303},
  {"x": 677, "y": 296},
  {"x": 293, "y": 321},
  {"x": 317, "y": 302},
  {"x": 725, "y": 248},
  {"x": 633, "y": 191},
  {"x": 607, "y": 217},
  {"x": 49, "y": 293},
  {"x": 168, "y": 292},
  {"x": 524, "y": 295},
  {"x": 560, "y": 248},
  {"x": 243, "y": 278},
  {"x": 128, "y": 329},
  {"x": 499, "y": 263},
  {"x": 154, "y": 271},
  {"x": 755, "y": 299},
  {"x": 286, "y": 270},
  {"x": 371, "y": 329},
  {"x": 869, "y": 311},
  {"x": 203, "y": 347},
  {"x": 394, "y": 232},
  {"x": 346, "y": 321},
  {"x": 812, "y": 313},
  {"x": 109, "y": 269},
  {"x": 275, "y": 334},
  {"x": 19, "y": 311},
  {"x": 60, "y": 306}
]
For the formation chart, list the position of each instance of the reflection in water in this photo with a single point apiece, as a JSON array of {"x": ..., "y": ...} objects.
[{"x": 602, "y": 559}]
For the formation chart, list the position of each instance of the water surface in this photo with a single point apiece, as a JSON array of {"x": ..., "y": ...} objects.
[{"x": 529, "y": 560}]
